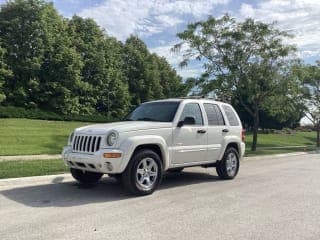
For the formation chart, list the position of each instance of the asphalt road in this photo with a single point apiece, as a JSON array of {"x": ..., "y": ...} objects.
[{"x": 273, "y": 198}]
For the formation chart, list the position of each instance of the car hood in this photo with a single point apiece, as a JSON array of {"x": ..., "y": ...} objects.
[{"x": 125, "y": 126}]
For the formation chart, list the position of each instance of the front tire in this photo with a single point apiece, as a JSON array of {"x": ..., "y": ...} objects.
[
  {"x": 117, "y": 176},
  {"x": 228, "y": 167},
  {"x": 143, "y": 173},
  {"x": 85, "y": 177}
]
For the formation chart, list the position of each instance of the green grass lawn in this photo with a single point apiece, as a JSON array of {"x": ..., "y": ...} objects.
[
  {"x": 25, "y": 136},
  {"x": 11, "y": 169},
  {"x": 281, "y": 143}
]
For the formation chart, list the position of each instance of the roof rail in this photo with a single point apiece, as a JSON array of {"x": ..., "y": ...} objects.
[{"x": 197, "y": 97}]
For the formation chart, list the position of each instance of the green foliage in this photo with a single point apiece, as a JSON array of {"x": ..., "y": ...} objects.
[
  {"x": 311, "y": 80},
  {"x": 71, "y": 67},
  {"x": 149, "y": 76},
  {"x": 21, "y": 36},
  {"x": 244, "y": 61},
  {"x": 60, "y": 78},
  {"x": 4, "y": 74},
  {"x": 35, "y": 113}
]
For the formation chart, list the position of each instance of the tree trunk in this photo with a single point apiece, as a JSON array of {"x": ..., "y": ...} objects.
[
  {"x": 318, "y": 134},
  {"x": 256, "y": 122}
]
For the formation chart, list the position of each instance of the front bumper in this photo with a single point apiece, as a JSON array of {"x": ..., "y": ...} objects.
[{"x": 95, "y": 162}]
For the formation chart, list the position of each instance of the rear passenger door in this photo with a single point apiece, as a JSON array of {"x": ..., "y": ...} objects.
[{"x": 217, "y": 130}]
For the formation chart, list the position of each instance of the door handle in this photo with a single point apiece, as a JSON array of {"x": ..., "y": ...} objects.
[
  {"x": 201, "y": 131},
  {"x": 225, "y": 130}
]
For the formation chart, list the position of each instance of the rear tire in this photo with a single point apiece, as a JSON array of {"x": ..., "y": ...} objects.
[
  {"x": 85, "y": 177},
  {"x": 228, "y": 167},
  {"x": 143, "y": 173}
]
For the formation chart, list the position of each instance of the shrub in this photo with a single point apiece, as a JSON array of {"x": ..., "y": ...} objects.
[{"x": 17, "y": 112}]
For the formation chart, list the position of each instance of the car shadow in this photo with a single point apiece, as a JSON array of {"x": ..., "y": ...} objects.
[{"x": 66, "y": 194}]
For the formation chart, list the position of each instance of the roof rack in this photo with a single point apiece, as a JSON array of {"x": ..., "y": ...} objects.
[{"x": 197, "y": 97}]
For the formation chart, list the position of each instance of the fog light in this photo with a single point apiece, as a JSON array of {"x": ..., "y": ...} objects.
[
  {"x": 112, "y": 155},
  {"x": 109, "y": 166}
]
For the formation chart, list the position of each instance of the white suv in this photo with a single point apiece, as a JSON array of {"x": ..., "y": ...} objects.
[{"x": 158, "y": 136}]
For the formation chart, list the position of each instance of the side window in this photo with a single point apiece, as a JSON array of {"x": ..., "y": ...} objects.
[
  {"x": 231, "y": 115},
  {"x": 214, "y": 114},
  {"x": 192, "y": 110}
]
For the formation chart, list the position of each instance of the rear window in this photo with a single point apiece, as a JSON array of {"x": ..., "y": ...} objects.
[
  {"x": 233, "y": 120},
  {"x": 214, "y": 114}
]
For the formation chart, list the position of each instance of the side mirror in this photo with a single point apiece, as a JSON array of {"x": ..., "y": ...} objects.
[{"x": 187, "y": 121}]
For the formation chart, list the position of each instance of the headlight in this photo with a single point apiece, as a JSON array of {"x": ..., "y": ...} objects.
[
  {"x": 111, "y": 139},
  {"x": 71, "y": 138}
]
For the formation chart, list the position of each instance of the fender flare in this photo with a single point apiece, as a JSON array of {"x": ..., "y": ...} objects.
[
  {"x": 131, "y": 143},
  {"x": 226, "y": 141}
]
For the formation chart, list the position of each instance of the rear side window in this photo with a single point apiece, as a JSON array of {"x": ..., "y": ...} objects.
[
  {"x": 214, "y": 114},
  {"x": 192, "y": 110},
  {"x": 233, "y": 120}
]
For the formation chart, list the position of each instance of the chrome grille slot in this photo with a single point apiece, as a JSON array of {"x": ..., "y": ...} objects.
[{"x": 86, "y": 143}]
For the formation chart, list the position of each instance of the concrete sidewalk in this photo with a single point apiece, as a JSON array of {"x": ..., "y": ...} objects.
[{"x": 30, "y": 157}]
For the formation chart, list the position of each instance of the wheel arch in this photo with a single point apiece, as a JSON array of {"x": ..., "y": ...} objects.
[
  {"x": 155, "y": 143},
  {"x": 235, "y": 143}
]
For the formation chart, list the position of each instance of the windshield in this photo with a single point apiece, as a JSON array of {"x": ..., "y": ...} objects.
[{"x": 154, "y": 111}]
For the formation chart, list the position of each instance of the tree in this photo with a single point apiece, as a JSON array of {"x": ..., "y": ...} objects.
[
  {"x": 4, "y": 73},
  {"x": 312, "y": 86},
  {"x": 45, "y": 68},
  {"x": 245, "y": 61},
  {"x": 114, "y": 96},
  {"x": 171, "y": 82},
  {"x": 21, "y": 35},
  {"x": 60, "y": 79},
  {"x": 71, "y": 66},
  {"x": 135, "y": 62}
]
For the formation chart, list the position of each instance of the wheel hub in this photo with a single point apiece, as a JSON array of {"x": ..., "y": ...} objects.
[{"x": 147, "y": 173}]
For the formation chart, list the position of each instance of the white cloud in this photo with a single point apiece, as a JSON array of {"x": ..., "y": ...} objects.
[
  {"x": 146, "y": 17},
  {"x": 299, "y": 17}
]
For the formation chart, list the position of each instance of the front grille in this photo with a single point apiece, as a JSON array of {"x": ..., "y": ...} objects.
[{"x": 86, "y": 144}]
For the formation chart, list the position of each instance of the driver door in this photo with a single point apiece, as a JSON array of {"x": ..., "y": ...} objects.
[{"x": 190, "y": 141}]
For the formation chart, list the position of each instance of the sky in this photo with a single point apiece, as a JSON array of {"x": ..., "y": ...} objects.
[{"x": 157, "y": 22}]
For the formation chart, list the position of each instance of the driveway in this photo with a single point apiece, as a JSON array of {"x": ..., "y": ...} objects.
[{"x": 272, "y": 198}]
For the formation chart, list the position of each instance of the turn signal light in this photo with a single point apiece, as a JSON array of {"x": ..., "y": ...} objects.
[
  {"x": 243, "y": 135},
  {"x": 112, "y": 155}
]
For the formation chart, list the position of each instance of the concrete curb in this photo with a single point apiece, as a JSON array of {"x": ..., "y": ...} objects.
[{"x": 34, "y": 180}]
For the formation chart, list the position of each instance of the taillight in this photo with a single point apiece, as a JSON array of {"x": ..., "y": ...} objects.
[{"x": 243, "y": 135}]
